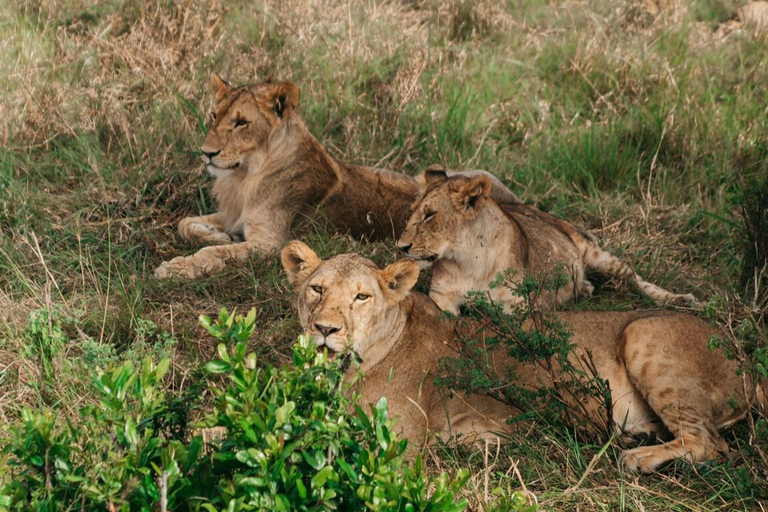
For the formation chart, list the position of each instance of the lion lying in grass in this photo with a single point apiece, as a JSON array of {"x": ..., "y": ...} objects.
[
  {"x": 665, "y": 382},
  {"x": 471, "y": 239},
  {"x": 270, "y": 172}
]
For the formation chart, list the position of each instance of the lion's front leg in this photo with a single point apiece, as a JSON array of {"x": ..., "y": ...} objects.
[
  {"x": 262, "y": 238},
  {"x": 207, "y": 260},
  {"x": 208, "y": 229}
]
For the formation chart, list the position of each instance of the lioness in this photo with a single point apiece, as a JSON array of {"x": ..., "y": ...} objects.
[
  {"x": 270, "y": 171},
  {"x": 398, "y": 335},
  {"x": 471, "y": 239},
  {"x": 665, "y": 383}
]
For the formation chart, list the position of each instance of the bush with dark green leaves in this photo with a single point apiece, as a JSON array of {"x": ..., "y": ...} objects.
[
  {"x": 290, "y": 441},
  {"x": 534, "y": 337},
  {"x": 295, "y": 442}
]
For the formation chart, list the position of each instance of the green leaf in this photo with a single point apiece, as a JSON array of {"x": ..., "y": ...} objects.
[
  {"x": 218, "y": 367},
  {"x": 283, "y": 413},
  {"x": 301, "y": 489},
  {"x": 316, "y": 460},
  {"x": 223, "y": 352},
  {"x": 348, "y": 469},
  {"x": 131, "y": 434},
  {"x": 322, "y": 477},
  {"x": 162, "y": 368},
  {"x": 282, "y": 503}
]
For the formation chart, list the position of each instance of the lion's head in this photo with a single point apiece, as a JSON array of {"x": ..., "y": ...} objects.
[
  {"x": 444, "y": 213},
  {"x": 245, "y": 121},
  {"x": 347, "y": 302}
]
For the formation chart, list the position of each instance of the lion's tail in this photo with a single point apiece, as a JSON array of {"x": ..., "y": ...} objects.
[{"x": 605, "y": 262}]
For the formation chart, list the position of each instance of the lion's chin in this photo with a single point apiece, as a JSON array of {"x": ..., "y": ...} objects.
[
  {"x": 424, "y": 264},
  {"x": 424, "y": 260},
  {"x": 219, "y": 172}
]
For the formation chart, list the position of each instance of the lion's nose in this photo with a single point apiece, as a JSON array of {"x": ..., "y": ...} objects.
[
  {"x": 327, "y": 330},
  {"x": 404, "y": 248},
  {"x": 210, "y": 154}
]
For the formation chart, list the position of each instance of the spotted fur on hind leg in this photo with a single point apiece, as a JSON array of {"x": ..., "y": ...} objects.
[{"x": 651, "y": 459}]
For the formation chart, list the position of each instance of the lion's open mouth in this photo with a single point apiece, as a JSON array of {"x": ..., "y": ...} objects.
[
  {"x": 423, "y": 257},
  {"x": 331, "y": 353}
]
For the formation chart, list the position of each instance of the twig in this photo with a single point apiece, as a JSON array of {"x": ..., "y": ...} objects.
[
  {"x": 163, "y": 491},
  {"x": 590, "y": 466},
  {"x": 667, "y": 121},
  {"x": 531, "y": 497},
  {"x": 486, "y": 474}
]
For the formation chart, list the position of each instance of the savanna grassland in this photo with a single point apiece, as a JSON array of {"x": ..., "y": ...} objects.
[{"x": 647, "y": 126}]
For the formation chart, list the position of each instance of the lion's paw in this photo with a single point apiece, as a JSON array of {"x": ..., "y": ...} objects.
[
  {"x": 218, "y": 238},
  {"x": 207, "y": 260},
  {"x": 687, "y": 298},
  {"x": 183, "y": 267},
  {"x": 163, "y": 271},
  {"x": 177, "y": 267},
  {"x": 647, "y": 459}
]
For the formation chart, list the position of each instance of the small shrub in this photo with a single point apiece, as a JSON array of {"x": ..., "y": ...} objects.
[
  {"x": 293, "y": 441},
  {"x": 744, "y": 342},
  {"x": 111, "y": 459},
  {"x": 538, "y": 342}
]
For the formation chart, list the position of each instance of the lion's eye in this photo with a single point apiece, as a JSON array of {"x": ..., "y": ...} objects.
[
  {"x": 317, "y": 289},
  {"x": 429, "y": 214},
  {"x": 213, "y": 116},
  {"x": 240, "y": 122},
  {"x": 362, "y": 297}
]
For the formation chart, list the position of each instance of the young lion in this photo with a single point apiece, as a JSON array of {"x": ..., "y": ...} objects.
[
  {"x": 665, "y": 382},
  {"x": 270, "y": 171},
  {"x": 471, "y": 239}
]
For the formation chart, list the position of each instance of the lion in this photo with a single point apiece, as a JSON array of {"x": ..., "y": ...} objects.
[
  {"x": 271, "y": 172},
  {"x": 665, "y": 382},
  {"x": 469, "y": 239}
]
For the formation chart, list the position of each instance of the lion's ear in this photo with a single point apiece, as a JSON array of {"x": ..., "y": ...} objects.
[
  {"x": 398, "y": 279},
  {"x": 219, "y": 87},
  {"x": 285, "y": 97},
  {"x": 299, "y": 262},
  {"x": 471, "y": 196},
  {"x": 435, "y": 173}
]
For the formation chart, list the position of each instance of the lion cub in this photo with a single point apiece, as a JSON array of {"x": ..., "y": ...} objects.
[
  {"x": 665, "y": 382},
  {"x": 471, "y": 239}
]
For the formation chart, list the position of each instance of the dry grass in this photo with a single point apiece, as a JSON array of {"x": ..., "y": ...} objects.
[{"x": 635, "y": 119}]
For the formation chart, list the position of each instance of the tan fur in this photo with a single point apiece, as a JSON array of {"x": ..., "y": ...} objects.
[
  {"x": 471, "y": 239},
  {"x": 271, "y": 172},
  {"x": 665, "y": 382}
]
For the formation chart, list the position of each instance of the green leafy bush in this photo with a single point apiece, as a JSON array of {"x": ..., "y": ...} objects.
[
  {"x": 111, "y": 458},
  {"x": 294, "y": 441},
  {"x": 539, "y": 342},
  {"x": 290, "y": 440}
]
